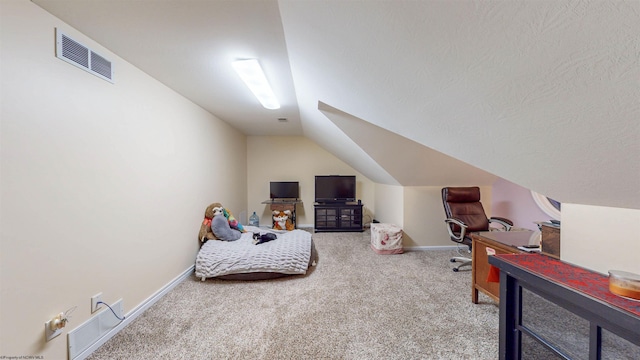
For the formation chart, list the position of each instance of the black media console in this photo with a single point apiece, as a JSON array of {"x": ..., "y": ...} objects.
[{"x": 339, "y": 216}]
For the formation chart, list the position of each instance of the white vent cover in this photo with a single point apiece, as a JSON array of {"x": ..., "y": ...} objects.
[
  {"x": 81, "y": 56},
  {"x": 80, "y": 341}
]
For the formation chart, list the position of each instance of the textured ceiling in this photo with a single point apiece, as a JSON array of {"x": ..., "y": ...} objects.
[{"x": 545, "y": 94}]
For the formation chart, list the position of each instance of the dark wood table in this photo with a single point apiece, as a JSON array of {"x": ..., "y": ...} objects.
[{"x": 610, "y": 324}]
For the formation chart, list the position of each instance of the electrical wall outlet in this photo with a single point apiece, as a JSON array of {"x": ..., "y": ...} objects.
[
  {"x": 95, "y": 299},
  {"x": 53, "y": 327}
]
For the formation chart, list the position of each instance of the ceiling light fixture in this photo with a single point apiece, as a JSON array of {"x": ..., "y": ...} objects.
[{"x": 251, "y": 73}]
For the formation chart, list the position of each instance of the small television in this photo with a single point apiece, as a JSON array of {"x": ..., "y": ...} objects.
[
  {"x": 284, "y": 190},
  {"x": 335, "y": 188}
]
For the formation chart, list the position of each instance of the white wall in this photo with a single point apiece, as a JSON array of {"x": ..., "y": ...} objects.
[
  {"x": 516, "y": 203},
  {"x": 424, "y": 215},
  {"x": 103, "y": 185},
  {"x": 389, "y": 204},
  {"x": 600, "y": 238},
  {"x": 295, "y": 158},
  {"x": 595, "y": 237}
]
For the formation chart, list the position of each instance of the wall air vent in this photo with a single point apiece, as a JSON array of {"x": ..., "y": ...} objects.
[{"x": 81, "y": 56}]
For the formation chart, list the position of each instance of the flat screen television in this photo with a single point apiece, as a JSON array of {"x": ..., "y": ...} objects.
[
  {"x": 335, "y": 188},
  {"x": 284, "y": 190}
]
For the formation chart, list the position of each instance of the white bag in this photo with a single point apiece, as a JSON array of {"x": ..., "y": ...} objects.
[{"x": 386, "y": 238}]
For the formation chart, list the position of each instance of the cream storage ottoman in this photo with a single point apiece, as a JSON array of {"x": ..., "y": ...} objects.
[{"x": 386, "y": 238}]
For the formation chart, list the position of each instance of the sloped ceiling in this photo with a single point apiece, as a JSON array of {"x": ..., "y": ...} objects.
[
  {"x": 410, "y": 163},
  {"x": 545, "y": 94},
  {"x": 189, "y": 45}
]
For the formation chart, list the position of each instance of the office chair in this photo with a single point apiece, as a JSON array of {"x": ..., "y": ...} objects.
[{"x": 466, "y": 215}]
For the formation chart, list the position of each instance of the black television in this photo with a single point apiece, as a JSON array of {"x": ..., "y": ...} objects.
[
  {"x": 284, "y": 190},
  {"x": 335, "y": 188}
]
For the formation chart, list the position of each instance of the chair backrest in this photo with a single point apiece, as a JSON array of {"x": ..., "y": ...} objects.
[{"x": 463, "y": 203}]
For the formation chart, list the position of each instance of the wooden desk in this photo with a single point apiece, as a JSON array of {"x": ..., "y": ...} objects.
[{"x": 503, "y": 242}]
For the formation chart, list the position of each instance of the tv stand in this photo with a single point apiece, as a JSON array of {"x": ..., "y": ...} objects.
[{"x": 338, "y": 217}]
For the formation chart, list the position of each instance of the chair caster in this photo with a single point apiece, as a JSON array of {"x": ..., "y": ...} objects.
[
  {"x": 455, "y": 269},
  {"x": 452, "y": 260}
]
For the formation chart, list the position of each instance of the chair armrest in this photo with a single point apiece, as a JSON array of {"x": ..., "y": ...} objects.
[
  {"x": 505, "y": 223},
  {"x": 463, "y": 229}
]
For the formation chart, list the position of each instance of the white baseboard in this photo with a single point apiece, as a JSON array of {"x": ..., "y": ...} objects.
[{"x": 137, "y": 311}]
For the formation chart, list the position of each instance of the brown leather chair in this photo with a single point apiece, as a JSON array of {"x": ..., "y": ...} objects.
[{"x": 466, "y": 215}]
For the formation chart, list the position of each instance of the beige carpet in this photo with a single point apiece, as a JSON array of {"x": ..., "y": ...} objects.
[{"x": 355, "y": 304}]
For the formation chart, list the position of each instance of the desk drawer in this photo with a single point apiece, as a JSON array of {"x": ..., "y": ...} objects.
[{"x": 481, "y": 266}]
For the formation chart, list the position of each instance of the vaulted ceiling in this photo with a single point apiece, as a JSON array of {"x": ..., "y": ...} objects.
[{"x": 545, "y": 94}]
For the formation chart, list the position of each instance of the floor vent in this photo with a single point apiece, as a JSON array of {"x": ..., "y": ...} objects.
[
  {"x": 81, "y": 56},
  {"x": 89, "y": 332}
]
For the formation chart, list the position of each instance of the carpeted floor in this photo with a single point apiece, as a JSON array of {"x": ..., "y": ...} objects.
[{"x": 355, "y": 304}]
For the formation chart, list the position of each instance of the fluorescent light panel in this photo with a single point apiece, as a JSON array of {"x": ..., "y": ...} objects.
[{"x": 251, "y": 73}]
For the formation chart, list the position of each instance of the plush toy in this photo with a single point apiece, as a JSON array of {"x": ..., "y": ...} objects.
[
  {"x": 281, "y": 220},
  {"x": 205, "y": 228},
  {"x": 221, "y": 228},
  {"x": 232, "y": 221}
]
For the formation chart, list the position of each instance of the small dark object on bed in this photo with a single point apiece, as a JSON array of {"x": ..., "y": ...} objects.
[{"x": 259, "y": 239}]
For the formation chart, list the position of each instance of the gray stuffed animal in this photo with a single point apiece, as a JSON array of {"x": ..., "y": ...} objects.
[{"x": 222, "y": 230}]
